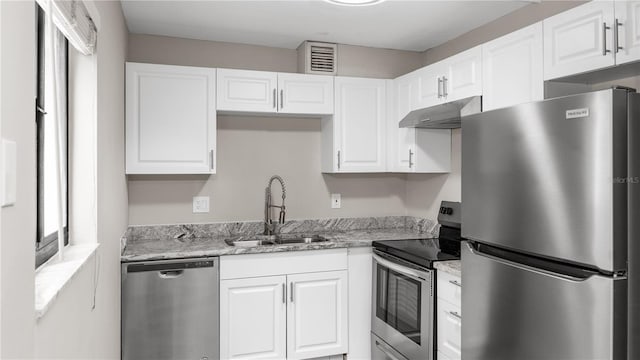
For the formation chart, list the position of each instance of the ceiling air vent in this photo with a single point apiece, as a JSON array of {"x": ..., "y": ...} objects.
[{"x": 317, "y": 58}]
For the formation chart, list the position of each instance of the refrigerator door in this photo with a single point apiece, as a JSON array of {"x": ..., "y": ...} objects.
[
  {"x": 515, "y": 311},
  {"x": 547, "y": 178}
]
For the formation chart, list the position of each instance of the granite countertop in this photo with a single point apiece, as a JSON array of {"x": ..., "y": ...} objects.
[
  {"x": 141, "y": 243},
  {"x": 453, "y": 267}
]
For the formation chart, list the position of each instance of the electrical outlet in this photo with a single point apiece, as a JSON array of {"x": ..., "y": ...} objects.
[
  {"x": 336, "y": 202},
  {"x": 200, "y": 204}
]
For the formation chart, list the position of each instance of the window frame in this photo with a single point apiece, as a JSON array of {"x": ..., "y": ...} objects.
[{"x": 47, "y": 246}]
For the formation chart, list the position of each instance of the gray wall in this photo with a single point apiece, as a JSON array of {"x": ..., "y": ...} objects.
[{"x": 251, "y": 149}]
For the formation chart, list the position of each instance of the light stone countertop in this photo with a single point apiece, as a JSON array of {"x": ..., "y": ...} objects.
[
  {"x": 453, "y": 267},
  {"x": 142, "y": 243}
]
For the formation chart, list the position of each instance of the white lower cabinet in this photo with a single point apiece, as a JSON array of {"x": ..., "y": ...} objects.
[
  {"x": 300, "y": 313},
  {"x": 317, "y": 315},
  {"x": 449, "y": 317},
  {"x": 253, "y": 318}
]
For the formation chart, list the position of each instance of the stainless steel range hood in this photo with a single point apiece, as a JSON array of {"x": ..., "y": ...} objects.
[{"x": 442, "y": 116}]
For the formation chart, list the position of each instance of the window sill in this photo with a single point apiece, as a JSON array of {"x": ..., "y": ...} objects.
[{"x": 55, "y": 274}]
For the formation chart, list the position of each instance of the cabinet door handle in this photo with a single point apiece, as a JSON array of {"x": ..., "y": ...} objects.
[
  {"x": 281, "y": 99},
  {"x": 439, "y": 86},
  {"x": 445, "y": 83},
  {"x": 455, "y": 283},
  {"x": 616, "y": 35},
  {"x": 284, "y": 293},
  {"x": 455, "y": 315},
  {"x": 604, "y": 39},
  {"x": 211, "y": 159},
  {"x": 410, "y": 159},
  {"x": 338, "y": 159},
  {"x": 275, "y": 98},
  {"x": 291, "y": 291}
]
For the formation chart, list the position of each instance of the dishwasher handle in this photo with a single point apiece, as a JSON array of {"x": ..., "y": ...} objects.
[
  {"x": 170, "y": 274},
  {"x": 171, "y": 268}
]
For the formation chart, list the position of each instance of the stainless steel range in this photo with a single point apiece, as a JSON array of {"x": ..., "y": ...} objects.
[{"x": 403, "y": 313}]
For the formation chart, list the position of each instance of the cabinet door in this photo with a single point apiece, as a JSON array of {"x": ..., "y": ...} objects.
[
  {"x": 449, "y": 329},
  {"x": 170, "y": 119},
  {"x": 463, "y": 75},
  {"x": 317, "y": 315},
  {"x": 628, "y": 15},
  {"x": 253, "y": 318},
  {"x": 430, "y": 85},
  {"x": 512, "y": 69},
  {"x": 305, "y": 94},
  {"x": 579, "y": 40},
  {"x": 404, "y": 149},
  {"x": 359, "y": 125},
  {"x": 245, "y": 90}
]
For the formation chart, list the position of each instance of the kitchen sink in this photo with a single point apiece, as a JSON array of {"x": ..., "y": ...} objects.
[{"x": 265, "y": 240}]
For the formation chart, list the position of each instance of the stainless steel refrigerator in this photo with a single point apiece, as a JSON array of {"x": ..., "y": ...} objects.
[{"x": 550, "y": 206}]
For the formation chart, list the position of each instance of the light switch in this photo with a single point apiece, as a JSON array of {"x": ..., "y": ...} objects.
[
  {"x": 8, "y": 191},
  {"x": 200, "y": 204}
]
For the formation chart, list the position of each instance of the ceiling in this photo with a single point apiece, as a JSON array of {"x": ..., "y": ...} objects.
[{"x": 394, "y": 24}]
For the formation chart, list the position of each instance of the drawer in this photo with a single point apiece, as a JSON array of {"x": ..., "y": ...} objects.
[
  {"x": 282, "y": 263},
  {"x": 449, "y": 319},
  {"x": 449, "y": 288}
]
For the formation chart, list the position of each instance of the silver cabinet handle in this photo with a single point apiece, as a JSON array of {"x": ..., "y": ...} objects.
[
  {"x": 338, "y": 159},
  {"x": 291, "y": 291},
  {"x": 284, "y": 293},
  {"x": 410, "y": 159},
  {"x": 445, "y": 82},
  {"x": 275, "y": 98},
  {"x": 211, "y": 159},
  {"x": 439, "y": 86},
  {"x": 604, "y": 39},
  {"x": 455, "y": 283},
  {"x": 455, "y": 315},
  {"x": 386, "y": 351},
  {"x": 616, "y": 35},
  {"x": 281, "y": 99}
]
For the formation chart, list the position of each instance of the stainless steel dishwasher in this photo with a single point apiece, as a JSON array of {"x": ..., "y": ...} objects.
[{"x": 170, "y": 309}]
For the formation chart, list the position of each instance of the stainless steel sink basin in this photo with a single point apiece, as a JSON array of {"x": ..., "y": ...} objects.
[{"x": 265, "y": 240}]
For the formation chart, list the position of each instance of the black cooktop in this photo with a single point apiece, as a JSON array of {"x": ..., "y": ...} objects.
[{"x": 424, "y": 252}]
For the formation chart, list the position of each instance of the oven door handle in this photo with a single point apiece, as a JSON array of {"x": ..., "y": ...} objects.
[
  {"x": 387, "y": 351},
  {"x": 412, "y": 273}
]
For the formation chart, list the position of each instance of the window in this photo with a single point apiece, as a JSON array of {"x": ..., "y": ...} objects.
[{"x": 47, "y": 167}]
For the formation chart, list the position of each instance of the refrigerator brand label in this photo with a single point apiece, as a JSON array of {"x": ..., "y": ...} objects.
[{"x": 577, "y": 113}]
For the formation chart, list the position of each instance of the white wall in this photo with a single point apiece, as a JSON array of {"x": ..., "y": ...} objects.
[
  {"x": 71, "y": 328},
  {"x": 252, "y": 149}
]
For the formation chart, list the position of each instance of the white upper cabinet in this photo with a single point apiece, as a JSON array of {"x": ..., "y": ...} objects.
[
  {"x": 170, "y": 119},
  {"x": 270, "y": 92},
  {"x": 247, "y": 90},
  {"x": 317, "y": 318},
  {"x": 454, "y": 78},
  {"x": 628, "y": 26},
  {"x": 305, "y": 94},
  {"x": 512, "y": 69},
  {"x": 354, "y": 139},
  {"x": 463, "y": 77},
  {"x": 413, "y": 149},
  {"x": 579, "y": 40}
]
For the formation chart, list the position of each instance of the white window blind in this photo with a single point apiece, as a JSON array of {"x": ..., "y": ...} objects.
[{"x": 74, "y": 21}]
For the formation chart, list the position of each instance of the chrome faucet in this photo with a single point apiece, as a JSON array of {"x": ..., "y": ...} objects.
[{"x": 269, "y": 226}]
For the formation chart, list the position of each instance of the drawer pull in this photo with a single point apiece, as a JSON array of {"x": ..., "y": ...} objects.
[
  {"x": 455, "y": 283},
  {"x": 455, "y": 315}
]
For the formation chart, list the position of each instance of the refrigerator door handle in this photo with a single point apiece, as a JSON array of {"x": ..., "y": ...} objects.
[{"x": 556, "y": 275}]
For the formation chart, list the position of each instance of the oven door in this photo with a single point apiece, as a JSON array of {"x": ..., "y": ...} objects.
[{"x": 402, "y": 311}]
